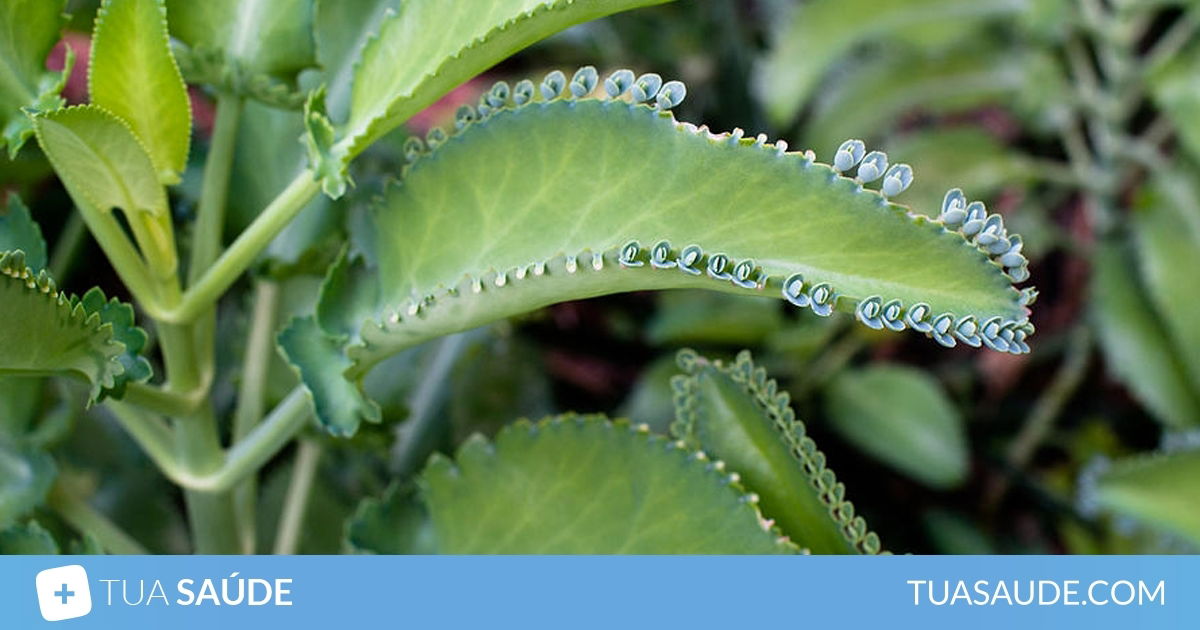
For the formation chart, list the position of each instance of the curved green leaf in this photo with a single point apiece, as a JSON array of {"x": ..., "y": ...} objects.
[
  {"x": 339, "y": 404},
  {"x": 1166, "y": 226},
  {"x": 18, "y": 230},
  {"x": 100, "y": 160},
  {"x": 133, "y": 75},
  {"x": 901, "y": 416},
  {"x": 568, "y": 199},
  {"x": 341, "y": 29},
  {"x": 1135, "y": 342},
  {"x": 582, "y": 484},
  {"x": 820, "y": 32},
  {"x": 428, "y": 47},
  {"x": 737, "y": 415},
  {"x": 28, "y": 30},
  {"x": 25, "y": 477},
  {"x": 47, "y": 331},
  {"x": 1160, "y": 490},
  {"x": 104, "y": 166}
]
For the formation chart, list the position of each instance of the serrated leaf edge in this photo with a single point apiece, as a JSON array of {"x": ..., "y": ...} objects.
[
  {"x": 776, "y": 405},
  {"x": 448, "y": 469}
]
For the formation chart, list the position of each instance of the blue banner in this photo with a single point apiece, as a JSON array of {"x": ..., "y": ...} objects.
[{"x": 599, "y": 592}]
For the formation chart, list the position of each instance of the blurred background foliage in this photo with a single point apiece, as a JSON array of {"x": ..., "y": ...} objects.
[{"x": 1078, "y": 120}]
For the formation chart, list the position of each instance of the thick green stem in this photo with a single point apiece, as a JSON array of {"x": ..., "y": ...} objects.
[
  {"x": 152, "y": 435},
  {"x": 245, "y": 457},
  {"x": 88, "y": 520},
  {"x": 210, "y": 216},
  {"x": 287, "y": 537},
  {"x": 252, "y": 399},
  {"x": 123, "y": 257},
  {"x": 242, "y": 252}
]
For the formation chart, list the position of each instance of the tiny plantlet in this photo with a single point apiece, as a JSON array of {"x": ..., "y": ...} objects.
[{"x": 311, "y": 308}]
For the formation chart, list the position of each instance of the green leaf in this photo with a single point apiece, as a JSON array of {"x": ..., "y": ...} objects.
[
  {"x": 1176, "y": 92},
  {"x": 1166, "y": 226},
  {"x": 19, "y": 401},
  {"x": 821, "y": 32},
  {"x": 133, "y": 75},
  {"x": 26, "y": 475},
  {"x": 568, "y": 199},
  {"x": 1159, "y": 490},
  {"x": 581, "y": 484},
  {"x": 28, "y": 539},
  {"x": 273, "y": 37},
  {"x": 428, "y": 47},
  {"x": 100, "y": 160},
  {"x": 737, "y": 415},
  {"x": 1135, "y": 343},
  {"x": 901, "y": 416},
  {"x": 119, "y": 316},
  {"x": 341, "y": 30},
  {"x": 30, "y": 28},
  {"x": 47, "y": 331},
  {"x": 18, "y": 230},
  {"x": 339, "y": 404},
  {"x": 397, "y": 523}
]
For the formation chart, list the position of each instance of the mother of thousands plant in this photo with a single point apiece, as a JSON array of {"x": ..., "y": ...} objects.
[{"x": 559, "y": 188}]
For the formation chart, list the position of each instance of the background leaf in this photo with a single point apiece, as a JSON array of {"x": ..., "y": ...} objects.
[
  {"x": 579, "y": 484},
  {"x": 30, "y": 27},
  {"x": 265, "y": 36},
  {"x": 1135, "y": 344},
  {"x": 1166, "y": 226},
  {"x": 18, "y": 230},
  {"x": 1159, "y": 490},
  {"x": 25, "y": 477},
  {"x": 901, "y": 416},
  {"x": 820, "y": 32}
]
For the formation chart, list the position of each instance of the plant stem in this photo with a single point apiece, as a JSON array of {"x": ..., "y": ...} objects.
[
  {"x": 1053, "y": 399},
  {"x": 66, "y": 248},
  {"x": 80, "y": 515},
  {"x": 210, "y": 512},
  {"x": 264, "y": 442},
  {"x": 252, "y": 399},
  {"x": 287, "y": 537},
  {"x": 123, "y": 257},
  {"x": 161, "y": 400},
  {"x": 210, "y": 216},
  {"x": 242, "y": 252},
  {"x": 152, "y": 435},
  {"x": 248, "y": 455}
]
